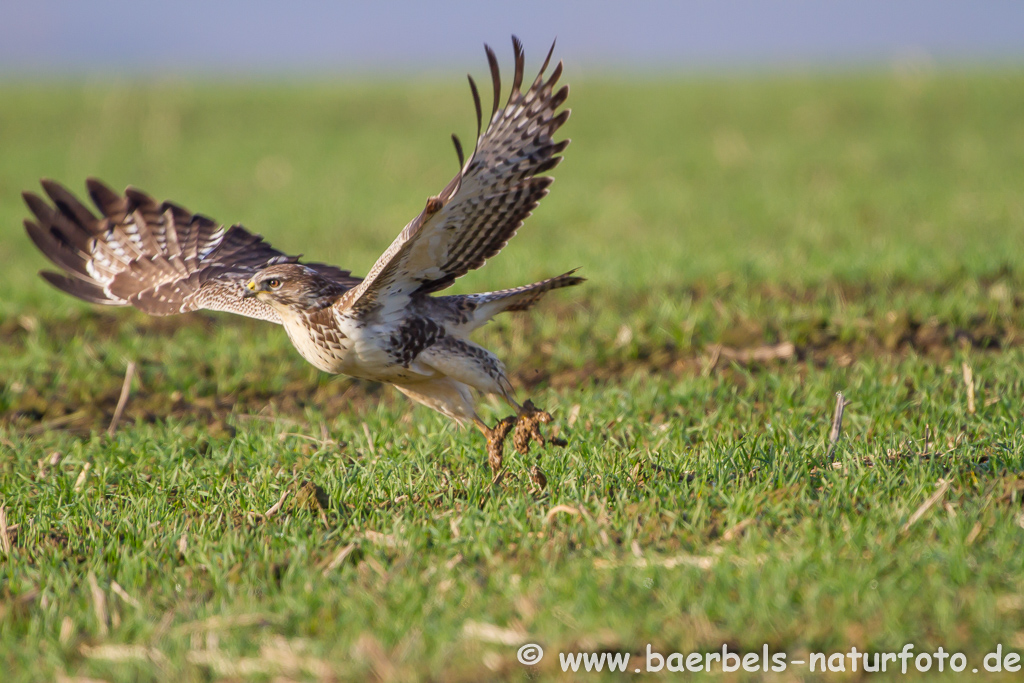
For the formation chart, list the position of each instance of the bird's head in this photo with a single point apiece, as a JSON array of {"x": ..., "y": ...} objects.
[{"x": 291, "y": 285}]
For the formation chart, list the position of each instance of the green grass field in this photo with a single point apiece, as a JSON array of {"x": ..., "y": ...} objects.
[{"x": 752, "y": 246}]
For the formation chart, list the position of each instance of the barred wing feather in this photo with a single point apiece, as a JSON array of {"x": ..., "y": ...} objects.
[
  {"x": 483, "y": 206},
  {"x": 159, "y": 258}
]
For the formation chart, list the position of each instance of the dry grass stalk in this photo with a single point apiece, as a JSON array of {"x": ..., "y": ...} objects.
[
  {"x": 369, "y": 650},
  {"x": 323, "y": 443},
  {"x": 67, "y": 629},
  {"x": 377, "y": 538},
  {"x": 122, "y": 400},
  {"x": 61, "y": 678},
  {"x": 123, "y": 653},
  {"x": 222, "y": 666},
  {"x": 99, "y": 603},
  {"x": 925, "y": 506},
  {"x": 80, "y": 482},
  {"x": 5, "y": 537},
  {"x": 272, "y": 510},
  {"x": 561, "y": 508},
  {"x": 45, "y": 464},
  {"x": 757, "y": 354},
  {"x": 289, "y": 655},
  {"x": 222, "y": 623},
  {"x": 79, "y": 417},
  {"x": 338, "y": 558},
  {"x": 734, "y": 532},
  {"x": 490, "y": 633},
  {"x": 837, "y": 424},
  {"x": 698, "y": 561},
  {"x": 369, "y": 440},
  {"x": 277, "y": 655},
  {"x": 712, "y": 362},
  {"x": 123, "y": 594},
  {"x": 969, "y": 383}
]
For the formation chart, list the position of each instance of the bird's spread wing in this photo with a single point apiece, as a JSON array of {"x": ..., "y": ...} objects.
[
  {"x": 485, "y": 203},
  {"x": 159, "y": 258}
]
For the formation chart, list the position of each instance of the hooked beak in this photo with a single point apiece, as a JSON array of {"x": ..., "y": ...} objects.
[{"x": 250, "y": 290}]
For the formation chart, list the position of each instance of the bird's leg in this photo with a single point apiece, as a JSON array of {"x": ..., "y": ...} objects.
[
  {"x": 495, "y": 440},
  {"x": 528, "y": 420}
]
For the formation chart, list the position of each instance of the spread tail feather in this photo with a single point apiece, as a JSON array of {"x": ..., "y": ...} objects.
[
  {"x": 523, "y": 298},
  {"x": 473, "y": 310}
]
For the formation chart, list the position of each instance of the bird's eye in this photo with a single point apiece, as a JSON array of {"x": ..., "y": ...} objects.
[{"x": 273, "y": 283}]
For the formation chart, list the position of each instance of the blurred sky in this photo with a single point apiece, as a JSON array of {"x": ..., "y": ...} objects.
[{"x": 257, "y": 37}]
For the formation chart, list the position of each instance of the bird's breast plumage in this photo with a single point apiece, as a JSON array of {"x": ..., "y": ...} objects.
[{"x": 318, "y": 339}]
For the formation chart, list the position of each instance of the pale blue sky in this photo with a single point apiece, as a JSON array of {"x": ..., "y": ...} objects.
[{"x": 259, "y": 37}]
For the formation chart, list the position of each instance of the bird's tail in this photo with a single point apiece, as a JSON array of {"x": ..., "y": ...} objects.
[{"x": 473, "y": 310}]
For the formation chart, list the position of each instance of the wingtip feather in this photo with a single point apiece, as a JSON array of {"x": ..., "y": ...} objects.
[
  {"x": 50, "y": 186},
  {"x": 547, "y": 60},
  {"x": 477, "y": 105},
  {"x": 492, "y": 61},
  {"x": 520, "y": 59},
  {"x": 458, "y": 150},
  {"x": 80, "y": 289},
  {"x": 68, "y": 204},
  {"x": 39, "y": 207},
  {"x": 110, "y": 204}
]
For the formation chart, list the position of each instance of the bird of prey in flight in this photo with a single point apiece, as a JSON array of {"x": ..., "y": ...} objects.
[{"x": 389, "y": 326}]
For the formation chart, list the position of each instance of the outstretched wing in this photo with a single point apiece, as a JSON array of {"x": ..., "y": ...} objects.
[
  {"x": 485, "y": 203},
  {"x": 159, "y": 258}
]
